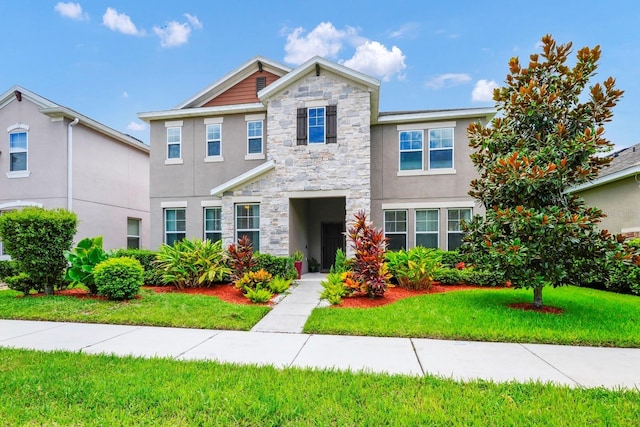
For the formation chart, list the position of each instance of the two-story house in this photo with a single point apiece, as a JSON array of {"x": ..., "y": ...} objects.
[
  {"x": 288, "y": 156},
  {"x": 54, "y": 157}
]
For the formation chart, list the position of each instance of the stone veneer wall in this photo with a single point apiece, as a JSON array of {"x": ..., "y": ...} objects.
[{"x": 344, "y": 166}]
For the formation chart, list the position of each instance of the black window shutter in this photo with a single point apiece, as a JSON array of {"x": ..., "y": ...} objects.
[
  {"x": 332, "y": 124},
  {"x": 301, "y": 134}
]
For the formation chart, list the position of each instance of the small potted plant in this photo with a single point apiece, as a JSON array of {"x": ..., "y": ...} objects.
[
  {"x": 297, "y": 262},
  {"x": 314, "y": 265}
]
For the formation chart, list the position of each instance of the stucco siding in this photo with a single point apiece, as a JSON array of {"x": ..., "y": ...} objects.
[{"x": 619, "y": 200}]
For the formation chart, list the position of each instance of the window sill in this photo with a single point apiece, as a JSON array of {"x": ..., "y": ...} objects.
[
  {"x": 427, "y": 172},
  {"x": 213, "y": 159},
  {"x": 257, "y": 156},
  {"x": 5, "y": 258},
  {"x": 173, "y": 162},
  {"x": 18, "y": 174}
]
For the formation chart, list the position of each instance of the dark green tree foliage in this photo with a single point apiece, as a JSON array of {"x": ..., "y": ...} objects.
[
  {"x": 547, "y": 138},
  {"x": 37, "y": 239}
]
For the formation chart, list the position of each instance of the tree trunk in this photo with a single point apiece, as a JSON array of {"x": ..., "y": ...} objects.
[
  {"x": 537, "y": 297},
  {"x": 48, "y": 289}
]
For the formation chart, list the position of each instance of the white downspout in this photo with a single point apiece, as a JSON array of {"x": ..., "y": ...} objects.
[{"x": 70, "y": 163}]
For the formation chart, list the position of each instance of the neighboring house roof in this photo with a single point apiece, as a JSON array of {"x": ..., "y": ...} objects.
[
  {"x": 54, "y": 110},
  {"x": 625, "y": 163}
]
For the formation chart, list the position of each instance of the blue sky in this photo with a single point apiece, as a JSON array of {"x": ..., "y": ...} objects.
[{"x": 112, "y": 59}]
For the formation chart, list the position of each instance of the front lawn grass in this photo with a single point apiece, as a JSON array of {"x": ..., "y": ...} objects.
[
  {"x": 153, "y": 309},
  {"x": 590, "y": 317},
  {"x": 61, "y": 388}
]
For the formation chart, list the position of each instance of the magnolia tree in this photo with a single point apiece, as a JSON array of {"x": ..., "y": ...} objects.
[{"x": 547, "y": 137}]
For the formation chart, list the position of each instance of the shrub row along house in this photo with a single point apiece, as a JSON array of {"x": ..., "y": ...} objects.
[
  {"x": 287, "y": 156},
  {"x": 54, "y": 157}
]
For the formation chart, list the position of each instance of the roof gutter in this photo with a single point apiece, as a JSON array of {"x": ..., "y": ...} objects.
[{"x": 70, "y": 162}]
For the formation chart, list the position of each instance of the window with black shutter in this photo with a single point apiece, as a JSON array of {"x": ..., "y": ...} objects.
[
  {"x": 301, "y": 126},
  {"x": 261, "y": 83},
  {"x": 332, "y": 124}
]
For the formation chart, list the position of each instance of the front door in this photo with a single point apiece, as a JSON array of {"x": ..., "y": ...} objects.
[{"x": 332, "y": 239}]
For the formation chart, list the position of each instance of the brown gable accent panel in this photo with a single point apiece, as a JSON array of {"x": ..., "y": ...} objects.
[
  {"x": 332, "y": 124},
  {"x": 243, "y": 92},
  {"x": 301, "y": 127}
]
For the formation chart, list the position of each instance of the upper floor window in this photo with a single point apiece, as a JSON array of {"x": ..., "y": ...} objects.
[
  {"x": 438, "y": 156},
  {"x": 395, "y": 229},
  {"x": 213, "y": 224},
  {"x": 317, "y": 125},
  {"x": 18, "y": 151},
  {"x": 254, "y": 137},
  {"x": 441, "y": 148},
  {"x": 174, "y": 142},
  {"x": 214, "y": 140},
  {"x": 411, "y": 150}
]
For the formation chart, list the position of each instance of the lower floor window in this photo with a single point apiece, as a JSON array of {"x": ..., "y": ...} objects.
[
  {"x": 427, "y": 229},
  {"x": 454, "y": 228},
  {"x": 213, "y": 224},
  {"x": 248, "y": 223},
  {"x": 395, "y": 229},
  {"x": 175, "y": 225},
  {"x": 133, "y": 233}
]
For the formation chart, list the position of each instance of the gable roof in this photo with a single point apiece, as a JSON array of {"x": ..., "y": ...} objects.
[
  {"x": 54, "y": 110},
  {"x": 233, "y": 78},
  {"x": 625, "y": 163}
]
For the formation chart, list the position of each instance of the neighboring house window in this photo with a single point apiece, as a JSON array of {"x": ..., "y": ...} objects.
[
  {"x": 427, "y": 228},
  {"x": 317, "y": 125},
  {"x": 133, "y": 233},
  {"x": 395, "y": 229},
  {"x": 174, "y": 142},
  {"x": 214, "y": 140},
  {"x": 248, "y": 223},
  {"x": 254, "y": 137},
  {"x": 175, "y": 225},
  {"x": 18, "y": 151},
  {"x": 213, "y": 224},
  {"x": 454, "y": 229},
  {"x": 441, "y": 148},
  {"x": 411, "y": 150}
]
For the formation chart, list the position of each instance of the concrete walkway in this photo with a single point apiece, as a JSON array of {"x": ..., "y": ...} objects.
[{"x": 277, "y": 341}]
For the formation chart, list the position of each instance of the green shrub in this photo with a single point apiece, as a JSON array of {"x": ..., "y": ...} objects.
[
  {"x": 254, "y": 280},
  {"x": 634, "y": 243},
  {"x": 341, "y": 263},
  {"x": 334, "y": 288},
  {"x": 146, "y": 258},
  {"x": 83, "y": 259},
  {"x": 278, "y": 285},
  {"x": 450, "y": 276},
  {"x": 36, "y": 239},
  {"x": 8, "y": 268},
  {"x": 624, "y": 278},
  {"x": 452, "y": 258},
  {"x": 22, "y": 282},
  {"x": 414, "y": 269},
  {"x": 275, "y": 265},
  {"x": 483, "y": 278},
  {"x": 258, "y": 295},
  {"x": 192, "y": 262},
  {"x": 118, "y": 278}
]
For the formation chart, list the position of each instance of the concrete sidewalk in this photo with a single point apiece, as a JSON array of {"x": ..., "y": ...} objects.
[{"x": 461, "y": 360}]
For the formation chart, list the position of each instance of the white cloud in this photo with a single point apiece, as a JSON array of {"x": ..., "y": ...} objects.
[
  {"x": 447, "y": 80},
  {"x": 194, "y": 21},
  {"x": 125, "y": 95},
  {"x": 120, "y": 22},
  {"x": 136, "y": 127},
  {"x": 173, "y": 34},
  {"x": 375, "y": 59},
  {"x": 408, "y": 30},
  {"x": 71, "y": 10},
  {"x": 324, "y": 40},
  {"x": 483, "y": 90}
]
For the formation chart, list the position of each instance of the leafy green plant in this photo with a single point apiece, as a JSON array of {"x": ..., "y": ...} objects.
[
  {"x": 278, "y": 284},
  {"x": 369, "y": 268},
  {"x": 450, "y": 259},
  {"x": 476, "y": 277},
  {"x": 258, "y": 295},
  {"x": 146, "y": 258},
  {"x": 450, "y": 276},
  {"x": 414, "y": 268},
  {"x": 334, "y": 288},
  {"x": 241, "y": 259},
  {"x": 297, "y": 256},
  {"x": 276, "y": 265},
  {"x": 118, "y": 278},
  {"x": 8, "y": 268},
  {"x": 21, "y": 282},
  {"x": 623, "y": 278},
  {"x": 83, "y": 259},
  {"x": 36, "y": 239},
  {"x": 341, "y": 263},
  {"x": 254, "y": 280},
  {"x": 192, "y": 262}
]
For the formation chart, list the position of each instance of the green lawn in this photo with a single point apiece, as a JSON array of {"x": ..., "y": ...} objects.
[
  {"x": 61, "y": 388},
  {"x": 157, "y": 309},
  {"x": 590, "y": 317}
]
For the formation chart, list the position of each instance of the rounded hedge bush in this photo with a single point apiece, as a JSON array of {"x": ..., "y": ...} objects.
[{"x": 119, "y": 278}]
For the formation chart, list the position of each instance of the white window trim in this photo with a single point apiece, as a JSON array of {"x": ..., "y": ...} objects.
[
  {"x": 453, "y": 154},
  {"x": 455, "y": 232},
  {"x": 418, "y": 172},
  {"x": 18, "y": 174},
  {"x": 211, "y": 203},
  {"x": 173, "y": 160},
  {"x": 255, "y": 117},
  {"x": 415, "y": 226},
  {"x": 171, "y": 205},
  {"x": 254, "y": 156},
  {"x": 426, "y": 149},
  {"x": 324, "y": 126},
  {"x": 406, "y": 225},
  {"x": 164, "y": 222},
  {"x": 410, "y": 171},
  {"x": 207, "y": 157},
  {"x": 238, "y": 230},
  {"x": 137, "y": 236},
  {"x": 11, "y": 130},
  {"x": 213, "y": 120}
]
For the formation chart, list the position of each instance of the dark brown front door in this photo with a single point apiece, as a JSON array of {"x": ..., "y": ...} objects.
[{"x": 332, "y": 240}]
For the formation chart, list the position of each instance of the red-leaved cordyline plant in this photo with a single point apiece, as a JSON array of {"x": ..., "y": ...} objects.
[
  {"x": 241, "y": 258},
  {"x": 369, "y": 268}
]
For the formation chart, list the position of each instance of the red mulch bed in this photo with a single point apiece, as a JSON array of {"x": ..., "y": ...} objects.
[
  {"x": 397, "y": 293},
  {"x": 528, "y": 306}
]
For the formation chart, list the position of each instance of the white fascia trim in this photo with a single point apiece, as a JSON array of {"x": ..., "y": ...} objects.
[
  {"x": 202, "y": 111},
  {"x": 486, "y": 113},
  {"x": 316, "y": 194},
  {"x": 19, "y": 204},
  {"x": 180, "y": 204},
  {"x": 244, "y": 178},
  {"x": 211, "y": 203},
  {"x": 9, "y": 96},
  {"x": 625, "y": 173},
  {"x": 429, "y": 205}
]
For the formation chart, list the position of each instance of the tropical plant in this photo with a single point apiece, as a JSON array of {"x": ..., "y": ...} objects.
[
  {"x": 118, "y": 278},
  {"x": 414, "y": 268},
  {"x": 369, "y": 268},
  {"x": 82, "y": 259},
  {"x": 254, "y": 280},
  {"x": 241, "y": 259},
  {"x": 548, "y": 138},
  {"x": 278, "y": 284},
  {"x": 36, "y": 239},
  {"x": 258, "y": 295},
  {"x": 297, "y": 255},
  {"x": 341, "y": 263},
  {"x": 192, "y": 262},
  {"x": 334, "y": 288}
]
